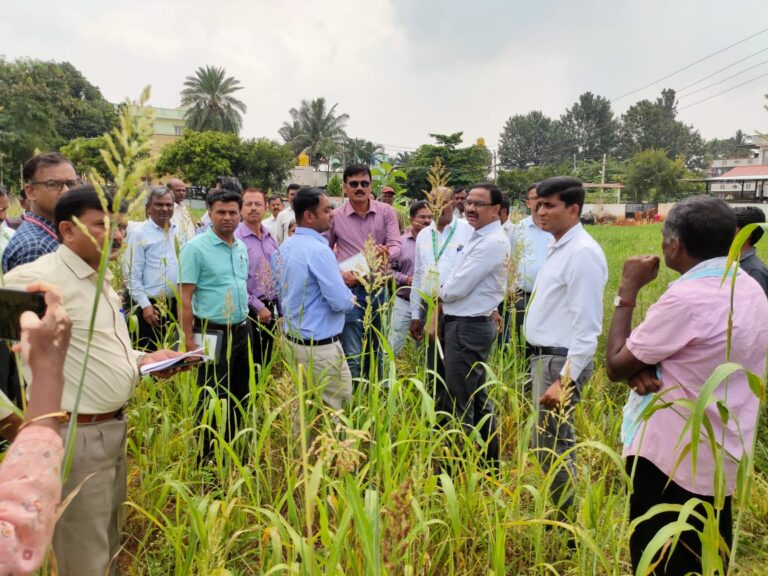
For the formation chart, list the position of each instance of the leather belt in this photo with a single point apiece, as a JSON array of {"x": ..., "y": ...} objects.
[
  {"x": 548, "y": 351},
  {"x": 85, "y": 419},
  {"x": 312, "y": 342},
  {"x": 449, "y": 318}
]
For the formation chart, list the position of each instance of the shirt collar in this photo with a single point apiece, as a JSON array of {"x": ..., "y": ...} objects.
[
  {"x": 153, "y": 224},
  {"x": 213, "y": 237},
  {"x": 451, "y": 224},
  {"x": 245, "y": 230},
  {"x": 301, "y": 231},
  {"x": 747, "y": 254},
  {"x": 372, "y": 207},
  {"x": 566, "y": 237},
  {"x": 42, "y": 219},
  {"x": 79, "y": 267},
  {"x": 489, "y": 228}
]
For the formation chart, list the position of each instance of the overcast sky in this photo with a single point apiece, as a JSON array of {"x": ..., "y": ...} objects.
[{"x": 404, "y": 68}]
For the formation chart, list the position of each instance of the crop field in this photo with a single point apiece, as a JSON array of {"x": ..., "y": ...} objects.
[{"x": 301, "y": 490}]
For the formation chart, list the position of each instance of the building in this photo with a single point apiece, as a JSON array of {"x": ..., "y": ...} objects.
[
  {"x": 169, "y": 124},
  {"x": 742, "y": 179}
]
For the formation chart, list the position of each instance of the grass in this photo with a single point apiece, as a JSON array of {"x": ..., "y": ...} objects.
[{"x": 369, "y": 498}]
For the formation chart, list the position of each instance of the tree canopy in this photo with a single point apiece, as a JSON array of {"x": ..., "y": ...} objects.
[
  {"x": 208, "y": 97},
  {"x": 315, "y": 130}
]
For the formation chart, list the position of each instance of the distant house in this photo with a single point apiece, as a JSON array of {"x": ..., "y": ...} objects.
[
  {"x": 741, "y": 179},
  {"x": 169, "y": 124}
]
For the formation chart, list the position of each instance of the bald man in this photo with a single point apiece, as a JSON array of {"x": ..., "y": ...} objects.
[{"x": 185, "y": 226}]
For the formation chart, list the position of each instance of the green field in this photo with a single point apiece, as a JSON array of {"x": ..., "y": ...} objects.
[{"x": 371, "y": 500}]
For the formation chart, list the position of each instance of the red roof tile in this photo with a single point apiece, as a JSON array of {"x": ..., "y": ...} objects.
[{"x": 742, "y": 171}]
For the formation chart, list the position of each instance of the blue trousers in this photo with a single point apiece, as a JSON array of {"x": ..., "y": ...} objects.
[{"x": 355, "y": 335}]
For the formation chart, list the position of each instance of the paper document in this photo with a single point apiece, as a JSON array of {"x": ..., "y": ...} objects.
[
  {"x": 356, "y": 263},
  {"x": 193, "y": 357}
]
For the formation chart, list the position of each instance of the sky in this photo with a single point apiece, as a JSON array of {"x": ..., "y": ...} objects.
[{"x": 403, "y": 69}]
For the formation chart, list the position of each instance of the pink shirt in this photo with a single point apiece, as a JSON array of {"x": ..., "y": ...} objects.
[
  {"x": 30, "y": 490},
  {"x": 685, "y": 333},
  {"x": 349, "y": 230}
]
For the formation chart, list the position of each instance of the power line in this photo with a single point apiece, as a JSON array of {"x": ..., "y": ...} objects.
[
  {"x": 690, "y": 65},
  {"x": 724, "y": 91},
  {"x": 723, "y": 80},
  {"x": 684, "y": 88}
]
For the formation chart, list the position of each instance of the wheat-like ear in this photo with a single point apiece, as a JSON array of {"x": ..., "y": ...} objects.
[{"x": 440, "y": 194}]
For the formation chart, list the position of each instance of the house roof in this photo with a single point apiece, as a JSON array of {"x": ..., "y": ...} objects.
[{"x": 759, "y": 172}]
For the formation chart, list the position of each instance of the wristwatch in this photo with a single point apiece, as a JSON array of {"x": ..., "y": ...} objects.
[{"x": 618, "y": 301}]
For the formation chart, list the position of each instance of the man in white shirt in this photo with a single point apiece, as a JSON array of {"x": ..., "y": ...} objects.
[
  {"x": 182, "y": 219},
  {"x": 459, "y": 195},
  {"x": 284, "y": 219},
  {"x": 275, "y": 207},
  {"x": 470, "y": 297},
  {"x": 565, "y": 318}
]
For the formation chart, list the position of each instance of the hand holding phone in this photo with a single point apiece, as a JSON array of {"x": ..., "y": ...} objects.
[{"x": 13, "y": 303}]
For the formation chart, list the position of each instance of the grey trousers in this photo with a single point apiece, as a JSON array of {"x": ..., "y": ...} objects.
[
  {"x": 554, "y": 433},
  {"x": 87, "y": 536}
]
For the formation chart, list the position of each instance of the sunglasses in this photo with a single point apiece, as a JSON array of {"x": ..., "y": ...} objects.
[{"x": 358, "y": 183}]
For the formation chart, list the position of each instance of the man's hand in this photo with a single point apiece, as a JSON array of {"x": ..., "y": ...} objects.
[
  {"x": 409, "y": 281},
  {"x": 265, "y": 316},
  {"x": 350, "y": 279},
  {"x": 416, "y": 330},
  {"x": 150, "y": 315},
  {"x": 551, "y": 398},
  {"x": 382, "y": 250},
  {"x": 164, "y": 355},
  {"x": 645, "y": 381},
  {"x": 499, "y": 321},
  {"x": 637, "y": 272}
]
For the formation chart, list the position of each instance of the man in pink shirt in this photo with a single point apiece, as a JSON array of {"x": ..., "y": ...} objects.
[
  {"x": 671, "y": 354},
  {"x": 354, "y": 222}
]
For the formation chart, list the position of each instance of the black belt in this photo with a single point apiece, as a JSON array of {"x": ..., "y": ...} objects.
[
  {"x": 449, "y": 318},
  {"x": 312, "y": 341},
  {"x": 216, "y": 326},
  {"x": 548, "y": 351}
]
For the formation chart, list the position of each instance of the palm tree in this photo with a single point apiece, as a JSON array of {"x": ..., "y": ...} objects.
[
  {"x": 361, "y": 151},
  {"x": 315, "y": 130},
  {"x": 210, "y": 105}
]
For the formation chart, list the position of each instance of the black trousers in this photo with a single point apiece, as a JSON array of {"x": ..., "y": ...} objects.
[
  {"x": 230, "y": 376},
  {"x": 263, "y": 335},
  {"x": 151, "y": 337},
  {"x": 649, "y": 489},
  {"x": 468, "y": 341}
]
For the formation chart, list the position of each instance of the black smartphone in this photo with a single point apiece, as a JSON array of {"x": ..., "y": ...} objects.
[{"x": 12, "y": 304}]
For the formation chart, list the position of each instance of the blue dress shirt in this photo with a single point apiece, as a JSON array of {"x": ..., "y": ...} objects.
[
  {"x": 311, "y": 291},
  {"x": 31, "y": 241},
  {"x": 151, "y": 263}
]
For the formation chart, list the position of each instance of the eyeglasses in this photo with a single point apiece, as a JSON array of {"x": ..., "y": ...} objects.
[
  {"x": 55, "y": 185},
  {"x": 478, "y": 203},
  {"x": 358, "y": 183}
]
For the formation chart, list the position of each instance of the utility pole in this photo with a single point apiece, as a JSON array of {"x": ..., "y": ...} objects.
[{"x": 602, "y": 178}]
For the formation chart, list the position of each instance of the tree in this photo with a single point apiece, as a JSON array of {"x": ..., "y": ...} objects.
[
  {"x": 465, "y": 166},
  {"x": 209, "y": 101},
  {"x": 85, "y": 154},
  {"x": 360, "y": 151},
  {"x": 524, "y": 140},
  {"x": 515, "y": 182},
  {"x": 588, "y": 127},
  {"x": 199, "y": 157},
  {"x": 45, "y": 104},
  {"x": 651, "y": 176},
  {"x": 264, "y": 164},
  {"x": 315, "y": 130}
]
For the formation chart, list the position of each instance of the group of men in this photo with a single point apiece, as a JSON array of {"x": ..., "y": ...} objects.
[{"x": 241, "y": 275}]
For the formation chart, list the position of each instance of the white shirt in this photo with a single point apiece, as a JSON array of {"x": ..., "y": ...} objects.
[
  {"x": 270, "y": 223},
  {"x": 6, "y": 233},
  {"x": 282, "y": 223},
  {"x": 478, "y": 282},
  {"x": 566, "y": 308},
  {"x": 531, "y": 243},
  {"x": 185, "y": 227},
  {"x": 426, "y": 276}
]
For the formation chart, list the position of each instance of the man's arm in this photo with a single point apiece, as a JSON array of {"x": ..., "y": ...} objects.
[
  {"x": 185, "y": 313},
  {"x": 482, "y": 260},
  {"x": 325, "y": 269},
  {"x": 393, "y": 239}
]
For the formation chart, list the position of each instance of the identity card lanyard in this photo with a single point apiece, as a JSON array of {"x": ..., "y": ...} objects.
[
  {"x": 445, "y": 244},
  {"x": 40, "y": 224}
]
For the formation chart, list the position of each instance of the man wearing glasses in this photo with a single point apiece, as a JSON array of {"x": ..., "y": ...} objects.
[
  {"x": 46, "y": 177},
  {"x": 353, "y": 224}
]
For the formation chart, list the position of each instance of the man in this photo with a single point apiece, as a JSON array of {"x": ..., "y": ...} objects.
[
  {"x": 314, "y": 298},
  {"x": 286, "y": 216},
  {"x": 683, "y": 339},
  {"x": 214, "y": 297},
  {"x": 46, "y": 177},
  {"x": 270, "y": 222},
  {"x": 459, "y": 195},
  {"x": 87, "y": 535},
  {"x": 152, "y": 268},
  {"x": 6, "y": 232},
  {"x": 402, "y": 270},
  {"x": 388, "y": 195},
  {"x": 469, "y": 297},
  {"x": 748, "y": 261},
  {"x": 9, "y": 375},
  {"x": 262, "y": 302},
  {"x": 506, "y": 224},
  {"x": 531, "y": 243},
  {"x": 182, "y": 219},
  {"x": 565, "y": 317},
  {"x": 353, "y": 224},
  {"x": 437, "y": 248},
  {"x": 506, "y": 305}
]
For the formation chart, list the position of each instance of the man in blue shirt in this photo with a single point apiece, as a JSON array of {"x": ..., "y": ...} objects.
[
  {"x": 314, "y": 298},
  {"x": 152, "y": 268},
  {"x": 214, "y": 297}
]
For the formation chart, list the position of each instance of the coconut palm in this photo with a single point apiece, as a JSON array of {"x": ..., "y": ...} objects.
[
  {"x": 210, "y": 105},
  {"x": 315, "y": 130},
  {"x": 361, "y": 151}
]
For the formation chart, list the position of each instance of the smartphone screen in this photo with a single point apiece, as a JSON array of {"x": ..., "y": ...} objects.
[{"x": 12, "y": 304}]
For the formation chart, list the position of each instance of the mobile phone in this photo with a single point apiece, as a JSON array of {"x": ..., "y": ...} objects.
[{"x": 12, "y": 304}]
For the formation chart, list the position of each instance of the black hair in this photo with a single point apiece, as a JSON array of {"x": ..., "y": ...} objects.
[
  {"x": 76, "y": 201},
  {"x": 306, "y": 199},
  {"x": 253, "y": 190},
  {"x": 273, "y": 198},
  {"x": 705, "y": 225},
  {"x": 532, "y": 186},
  {"x": 506, "y": 203},
  {"x": 459, "y": 189},
  {"x": 568, "y": 188},
  {"x": 42, "y": 161},
  {"x": 416, "y": 206},
  {"x": 496, "y": 194},
  {"x": 223, "y": 195},
  {"x": 293, "y": 186},
  {"x": 353, "y": 169},
  {"x": 230, "y": 183},
  {"x": 750, "y": 215}
]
